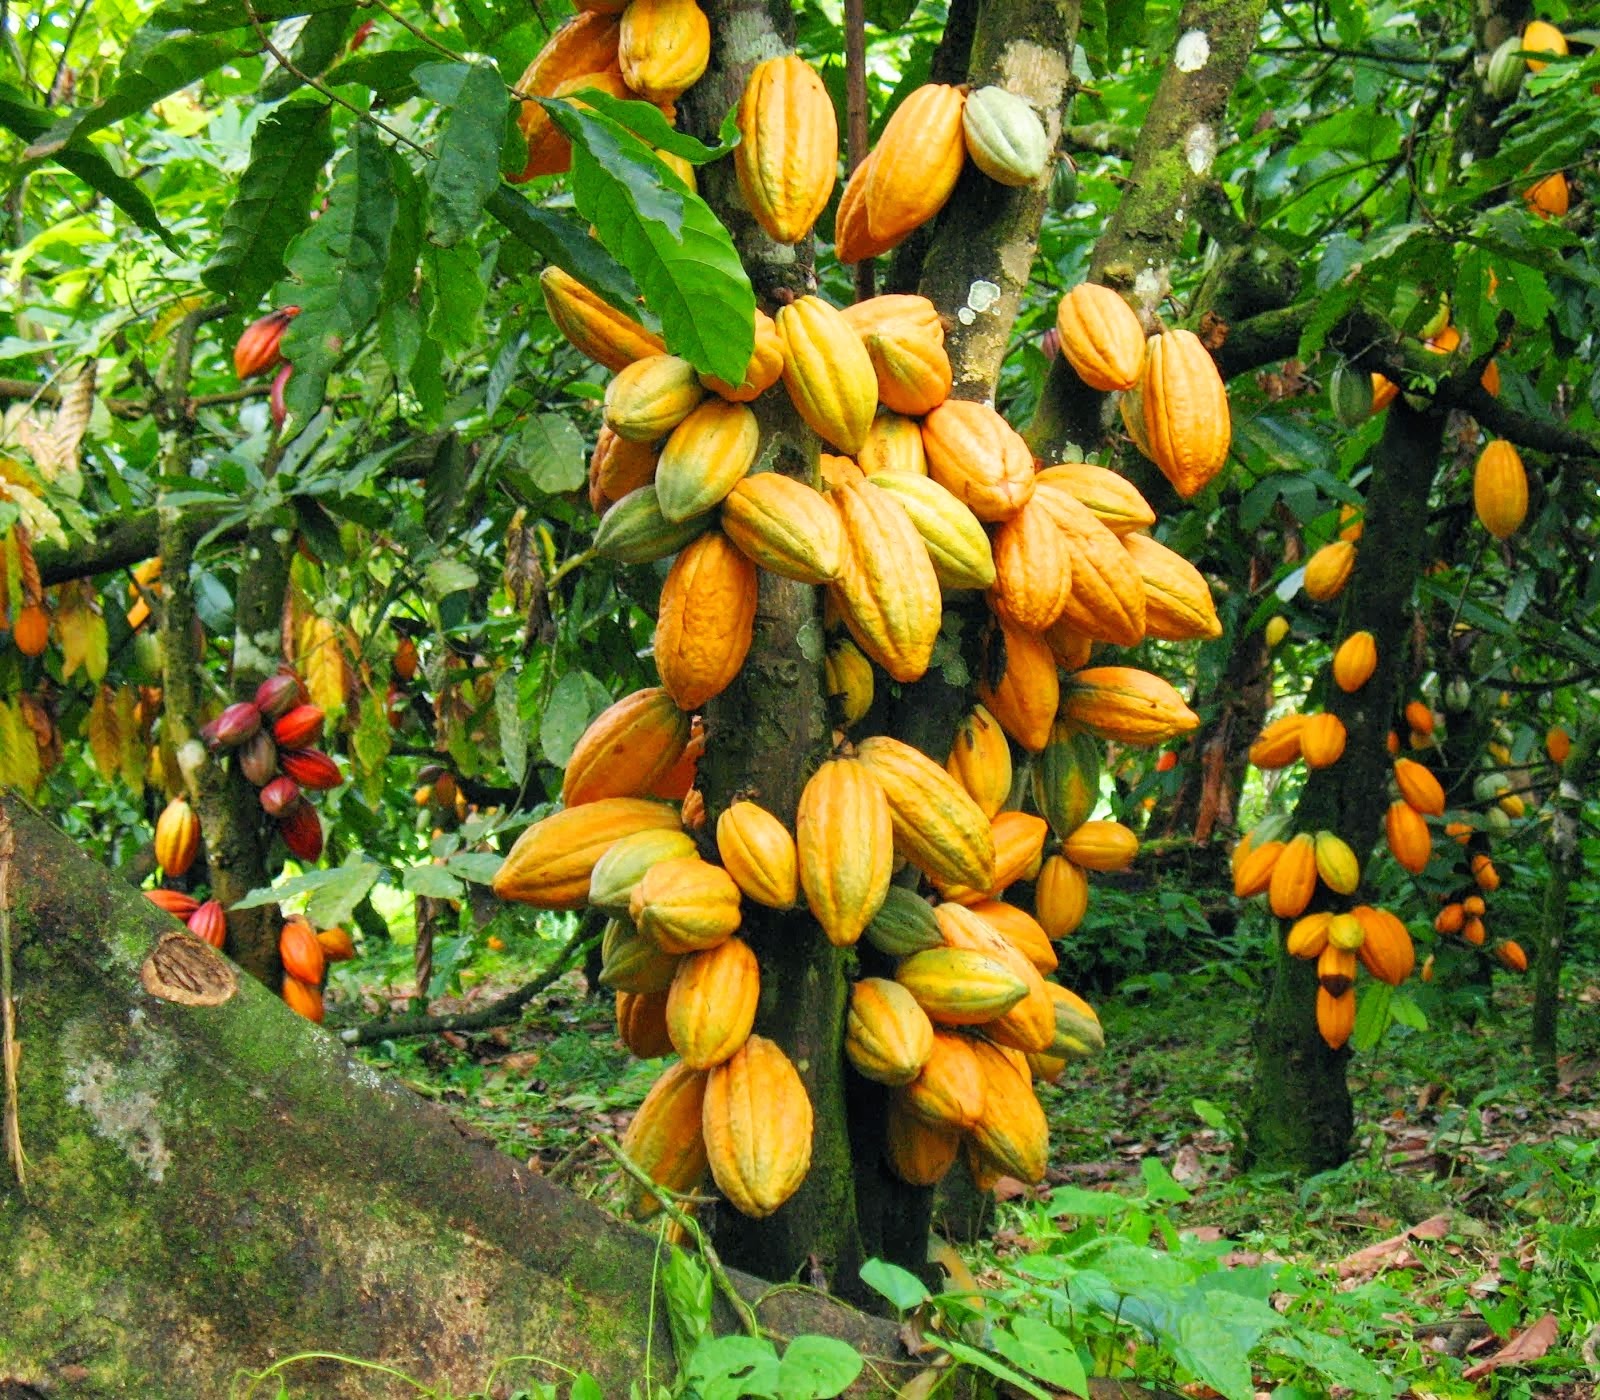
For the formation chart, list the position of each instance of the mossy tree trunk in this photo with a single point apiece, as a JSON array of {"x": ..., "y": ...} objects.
[
  {"x": 1299, "y": 1117},
  {"x": 214, "y": 1184}
]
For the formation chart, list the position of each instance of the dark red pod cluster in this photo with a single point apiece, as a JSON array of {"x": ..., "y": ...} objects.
[
  {"x": 259, "y": 347},
  {"x": 299, "y": 728}
]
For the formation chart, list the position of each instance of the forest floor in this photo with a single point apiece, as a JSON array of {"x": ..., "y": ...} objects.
[{"x": 1459, "y": 1248}]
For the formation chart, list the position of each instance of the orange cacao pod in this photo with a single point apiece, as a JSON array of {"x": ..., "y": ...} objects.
[
  {"x": 1387, "y": 951},
  {"x": 916, "y": 162},
  {"x": 706, "y": 619},
  {"x": 1101, "y": 337},
  {"x": 1011, "y": 1130},
  {"x": 705, "y": 457},
  {"x": 785, "y": 526},
  {"x": 551, "y": 862},
  {"x": 712, "y": 1004},
  {"x": 642, "y": 1024},
  {"x": 979, "y": 458},
  {"x": 1112, "y": 499},
  {"x": 758, "y": 1125},
  {"x": 1355, "y": 661},
  {"x": 1185, "y": 411},
  {"x": 894, "y": 444},
  {"x": 685, "y": 905},
  {"x": 1278, "y": 744},
  {"x": 665, "y": 1137},
  {"x": 917, "y": 1153},
  {"x": 1322, "y": 739},
  {"x": 1033, "y": 567},
  {"x": 1419, "y": 787},
  {"x": 593, "y": 326},
  {"x": 1328, "y": 570},
  {"x": 788, "y": 159},
  {"x": 947, "y": 1094},
  {"x": 1294, "y": 877},
  {"x": 852, "y": 240},
  {"x": 626, "y": 749},
  {"x": 1410, "y": 842},
  {"x": 177, "y": 837},
  {"x": 1336, "y": 1017},
  {"x": 888, "y": 1037},
  {"x": 1020, "y": 687},
  {"x": 1125, "y": 706},
  {"x": 1253, "y": 873},
  {"x": 1060, "y": 896},
  {"x": 303, "y": 998},
  {"x": 337, "y": 945},
  {"x": 1101, "y": 845},
  {"x": 1021, "y": 930},
  {"x": 887, "y": 586},
  {"x": 764, "y": 369},
  {"x": 663, "y": 47},
  {"x": 616, "y": 468},
  {"x": 844, "y": 837},
  {"x": 758, "y": 852},
  {"x": 175, "y": 902},
  {"x": 302, "y": 956},
  {"x": 258, "y": 348},
  {"x": 980, "y": 760},
  {"x": 1500, "y": 489},
  {"x": 32, "y": 630},
  {"x": 904, "y": 338},
  {"x": 1177, "y": 599},
  {"x": 1107, "y": 599}
]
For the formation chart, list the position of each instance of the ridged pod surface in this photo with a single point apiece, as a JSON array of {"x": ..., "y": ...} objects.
[
  {"x": 1020, "y": 686},
  {"x": 1253, "y": 871},
  {"x": 300, "y": 953},
  {"x": 663, "y": 47},
  {"x": 634, "y": 531},
  {"x": 592, "y": 325},
  {"x": 1011, "y": 1131},
  {"x": 1387, "y": 951},
  {"x": 1060, "y": 896},
  {"x": 1278, "y": 744},
  {"x": 1322, "y": 740},
  {"x": 177, "y": 840},
  {"x": 979, "y": 458},
  {"x": 893, "y": 445},
  {"x": 759, "y": 853},
  {"x": 844, "y": 834},
  {"x": 1185, "y": 410},
  {"x": 650, "y": 397},
  {"x": 1033, "y": 567},
  {"x": 1500, "y": 489},
  {"x": 712, "y": 1003},
  {"x": 1078, "y": 1030},
  {"x": 1021, "y": 930},
  {"x": 1354, "y": 661},
  {"x": 961, "y": 987},
  {"x": 764, "y": 369},
  {"x": 904, "y": 925},
  {"x": 1030, "y": 1024},
  {"x": 1005, "y": 138},
  {"x": 1294, "y": 877},
  {"x": 706, "y": 619},
  {"x": 685, "y": 905},
  {"x": 888, "y": 1037},
  {"x": 630, "y": 962},
  {"x": 1328, "y": 570},
  {"x": 1101, "y": 845},
  {"x": 551, "y": 862},
  {"x": 904, "y": 338},
  {"x": 585, "y": 44},
  {"x": 704, "y": 458},
  {"x": 617, "y": 467},
  {"x": 665, "y": 1137},
  {"x": 1336, "y": 1017},
  {"x": 1337, "y": 866},
  {"x": 937, "y": 825},
  {"x": 1101, "y": 337},
  {"x": 626, "y": 748},
  {"x": 980, "y": 760},
  {"x": 887, "y": 585},
  {"x": 1419, "y": 787},
  {"x": 1066, "y": 779},
  {"x": 827, "y": 372},
  {"x": 948, "y": 1093},
  {"x": 788, "y": 158},
  {"x": 916, "y": 162},
  {"x": 1178, "y": 606},
  {"x": 642, "y": 1024},
  {"x": 1126, "y": 706},
  {"x": 1309, "y": 935},
  {"x": 847, "y": 677},
  {"x": 916, "y": 1152},
  {"x": 788, "y": 528},
  {"x": 853, "y": 241},
  {"x": 758, "y": 1126},
  {"x": 958, "y": 546},
  {"x": 1410, "y": 841},
  {"x": 1113, "y": 500}
]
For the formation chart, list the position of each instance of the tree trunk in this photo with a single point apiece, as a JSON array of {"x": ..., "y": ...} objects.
[
  {"x": 1300, "y": 1117},
  {"x": 213, "y": 1184}
]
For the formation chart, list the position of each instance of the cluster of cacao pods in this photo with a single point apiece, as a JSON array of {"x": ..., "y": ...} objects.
[
  {"x": 203, "y": 918},
  {"x": 259, "y": 349},
  {"x": 645, "y": 50},
  {"x": 273, "y": 737},
  {"x": 306, "y": 953}
]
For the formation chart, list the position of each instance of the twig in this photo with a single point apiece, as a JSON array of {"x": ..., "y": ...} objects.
[
  {"x": 9, "y": 1050},
  {"x": 684, "y": 1220},
  {"x": 497, "y": 1013}
]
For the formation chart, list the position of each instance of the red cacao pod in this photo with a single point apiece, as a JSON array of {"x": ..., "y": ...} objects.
[
  {"x": 236, "y": 724},
  {"x": 275, "y": 402},
  {"x": 311, "y": 768},
  {"x": 209, "y": 924},
  {"x": 258, "y": 758},
  {"x": 301, "y": 829},
  {"x": 279, "y": 796},
  {"x": 299, "y": 728},
  {"x": 175, "y": 902},
  {"x": 257, "y": 349},
  {"x": 279, "y": 693},
  {"x": 302, "y": 955}
]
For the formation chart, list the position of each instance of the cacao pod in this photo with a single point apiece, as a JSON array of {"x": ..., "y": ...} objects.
[
  {"x": 1101, "y": 845},
  {"x": 1113, "y": 500},
  {"x": 789, "y": 154},
  {"x": 1322, "y": 739},
  {"x": 1511, "y": 955},
  {"x": 827, "y": 372},
  {"x": 665, "y": 1137},
  {"x": 917, "y": 1153},
  {"x": 209, "y": 924},
  {"x": 1026, "y": 688},
  {"x": 1278, "y": 744},
  {"x": 1184, "y": 409},
  {"x": 650, "y": 397},
  {"x": 937, "y": 826},
  {"x": 304, "y": 999},
  {"x": 279, "y": 693},
  {"x": 1355, "y": 661},
  {"x": 1033, "y": 567},
  {"x": 1539, "y": 36},
  {"x": 1336, "y": 1017},
  {"x": 626, "y": 749},
  {"x": 1328, "y": 570},
  {"x": 552, "y": 860},
  {"x": 1309, "y": 935},
  {"x": 1125, "y": 706},
  {"x": 852, "y": 240},
  {"x": 1386, "y": 951},
  {"x": 1177, "y": 599},
  {"x": 630, "y": 962},
  {"x": 1060, "y": 896},
  {"x": 961, "y": 987},
  {"x": 904, "y": 339},
  {"x": 848, "y": 677},
  {"x": 888, "y": 1037},
  {"x": 1294, "y": 877},
  {"x": 177, "y": 838},
  {"x": 764, "y": 369},
  {"x": 905, "y": 924},
  {"x": 844, "y": 837},
  {"x": 916, "y": 162},
  {"x": 279, "y": 795},
  {"x": 642, "y": 1024},
  {"x": 260, "y": 345},
  {"x": 300, "y": 953},
  {"x": 1252, "y": 872},
  {"x": 258, "y": 759},
  {"x": 1336, "y": 967},
  {"x": 615, "y": 874},
  {"x": 1419, "y": 787},
  {"x": 1011, "y": 1130},
  {"x": 1351, "y": 393},
  {"x": 301, "y": 829},
  {"x": 1102, "y": 338},
  {"x": 634, "y": 531},
  {"x": 705, "y": 457},
  {"x": 758, "y": 852},
  {"x": 947, "y": 1094},
  {"x": 979, "y": 458},
  {"x": 181, "y": 905},
  {"x": 786, "y": 527},
  {"x": 311, "y": 768},
  {"x": 1107, "y": 600},
  {"x": 337, "y": 945},
  {"x": 758, "y": 1125},
  {"x": 1337, "y": 865},
  {"x": 980, "y": 760},
  {"x": 1410, "y": 842},
  {"x": 712, "y": 1003},
  {"x": 663, "y": 47},
  {"x": 1557, "y": 744},
  {"x": 1500, "y": 489},
  {"x": 894, "y": 444},
  {"x": 1503, "y": 76},
  {"x": 887, "y": 585},
  {"x": 592, "y": 325},
  {"x": 686, "y": 905},
  {"x": 1078, "y": 1031},
  {"x": 31, "y": 632},
  {"x": 957, "y": 545},
  {"x": 705, "y": 621},
  {"x": 1020, "y": 930},
  {"x": 1004, "y": 136},
  {"x": 242, "y": 721}
]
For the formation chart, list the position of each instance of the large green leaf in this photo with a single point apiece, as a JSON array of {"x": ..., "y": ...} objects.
[
  {"x": 667, "y": 238},
  {"x": 212, "y": 16},
  {"x": 310, "y": 43},
  {"x": 466, "y": 160},
  {"x": 27, "y": 122},
  {"x": 564, "y": 240},
  {"x": 290, "y": 147},
  {"x": 337, "y": 268}
]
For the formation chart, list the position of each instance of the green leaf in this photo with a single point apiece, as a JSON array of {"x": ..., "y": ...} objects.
[
  {"x": 310, "y": 43},
  {"x": 900, "y": 1286},
  {"x": 513, "y": 734},
  {"x": 889, "y": 15},
  {"x": 1334, "y": 1360},
  {"x": 585, "y": 1387},
  {"x": 434, "y": 881},
  {"x": 577, "y": 698},
  {"x": 478, "y": 866},
  {"x": 389, "y": 73},
  {"x": 550, "y": 451},
  {"x": 25, "y": 121},
  {"x": 337, "y": 268},
  {"x": 1406, "y": 1012},
  {"x": 1372, "y": 1016},
  {"x": 686, "y": 1285},
  {"x": 667, "y": 238},
  {"x": 725, "y": 1368},
  {"x": 1043, "y": 1351},
  {"x": 209, "y": 16},
  {"x": 817, "y": 1368},
  {"x": 334, "y": 901},
  {"x": 158, "y": 62},
  {"x": 466, "y": 159},
  {"x": 646, "y": 121},
  {"x": 996, "y": 1368},
  {"x": 273, "y": 203},
  {"x": 561, "y": 239},
  {"x": 446, "y": 576}
]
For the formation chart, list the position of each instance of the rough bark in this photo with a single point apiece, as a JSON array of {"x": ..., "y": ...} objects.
[
  {"x": 1565, "y": 857},
  {"x": 1299, "y": 1117},
  {"x": 218, "y": 1186},
  {"x": 123, "y": 543}
]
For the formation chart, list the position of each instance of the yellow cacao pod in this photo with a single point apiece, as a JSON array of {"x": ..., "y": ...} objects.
[
  {"x": 1060, "y": 896},
  {"x": 904, "y": 339},
  {"x": 626, "y": 749},
  {"x": 1337, "y": 865},
  {"x": 1278, "y": 744},
  {"x": 960, "y": 986},
  {"x": 650, "y": 397},
  {"x": 1355, "y": 661},
  {"x": 1322, "y": 740},
  {"x": 958, "y": 547},
  {"x": 764, "y": 369},
  {"x": 1019, "y": 685},
  {"x": 705, "y": 457},
  {"x": 894, "y": 444},
  {"x": 1540, "y": 36},
  {"x": 1011, "y": 1131},
  {"x": 665, "y": 1137},
  {"x": 1345, "y": 932},
  {"x": 758, "y": 852},
  {"x": 844, "y": 835},
  {"x": 1107, "y": 599},
  {"x": 785, "y": 526},
  {"x": 1309, "y": 935},
  {"x": 1101, "y": 845},
  {"x": 848, "y": 677},
  {"x": 916, "y": 162},
  {"x": 979, "y": 458},
  {"x": 177, "y": 837},
  {"x": 1185, "y": 411},
  {"x": 1328, "y": 570},
  {"x": 618, "y": 467},
  {"x": 1101, "y": 337},
  {"x": 887, "y": 586},
  {"x": 827, "y": 372},
  {"x": 888, "y": 1037},
  {"x": 758, "y": 1126},
  {"x": 1112, "y": 499},
  {"x": 852, "y": 240},
  {"x": 1294, "y": 877},
  {"x": 663, "y": 47},
  {"x": 642, "y": 1024},
  {"x": 593, "y": 326},
  {"x": 1177, "y": 599},
  {"x": 685, "y": 905},
  {"x": 789, "y": 154},
  {"x": 706, "y": 619},
  {"x": 1500, "y": 489},
  {"x": 980, "y": 760},
  {"x": 712, "y": 1004},
  {"x": 1125, "y": 706},
  {"x": 1419, "y": 787},
  {"x": 937, "y": 825},
  {"x": 550, "y": 864}
]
